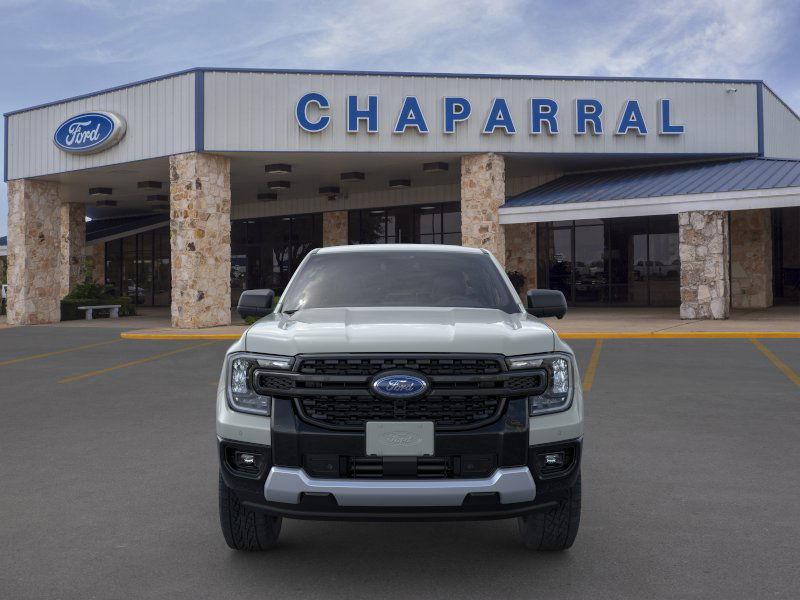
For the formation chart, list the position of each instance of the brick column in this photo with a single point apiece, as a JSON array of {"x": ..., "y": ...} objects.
[
  {"x": 703, "y": 246},
  {"x": 521, "y": 252},
  {"x": 200, "y": 239},
  {"x": 73, "y": 241},
  {"x": 96, "y": 257},
  {"x": 751, "y": 258},
  {"x": 33, "y": 252},
  {"x": 334, "y": 228},
  {"x": 483, "y": 191}
]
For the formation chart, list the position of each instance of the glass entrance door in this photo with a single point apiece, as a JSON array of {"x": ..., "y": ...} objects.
[{"x": 624, "y": 262}]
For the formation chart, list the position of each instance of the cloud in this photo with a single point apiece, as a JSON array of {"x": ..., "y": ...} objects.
[{"x": 47, "y": 52}]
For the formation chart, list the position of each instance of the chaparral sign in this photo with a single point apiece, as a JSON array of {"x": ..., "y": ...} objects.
[
  {"x": 90, "y": 132},
  {"x": 588, "y": 116}
]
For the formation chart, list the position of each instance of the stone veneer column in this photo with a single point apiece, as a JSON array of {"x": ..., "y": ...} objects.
[
  {"x": 751, "y": 258},
  {"x": 96, "y": 256},
  {"x": 334, "y": 228},
  {"x": 73, "y": 243},
  {"x": 703, "y": 247},
  {"x": 33, "y": 252},
  {"x": 200, "y": 239},
  {"x": 521, "y": 252},
  {"x": 483, "y": 191}
]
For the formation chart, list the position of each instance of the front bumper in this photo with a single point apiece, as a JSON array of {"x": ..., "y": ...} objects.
[
  {"x": 511, "y": 485},
  {"x": 508, "y": 492}
]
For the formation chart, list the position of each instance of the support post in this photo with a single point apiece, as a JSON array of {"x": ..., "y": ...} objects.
[{"x": 200, "y": 239}]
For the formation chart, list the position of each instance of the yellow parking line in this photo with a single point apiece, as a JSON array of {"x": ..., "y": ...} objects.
[
  {"x": 180, "y": 336},
  {"x": 132, "y": 363},
  {"x": 588, "y": 376},
  {"x": 779, "y": 364},
  {"x": 54, "y": 353}
]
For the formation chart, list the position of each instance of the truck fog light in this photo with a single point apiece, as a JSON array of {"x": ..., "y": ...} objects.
[
  {"x": 554, "y": 459},
  {"x": 247, "y": 461}
]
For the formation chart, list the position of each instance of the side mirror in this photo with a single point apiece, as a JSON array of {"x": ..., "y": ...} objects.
[
  {"x": 547, "y": 303},
  {"x": 255, "y": 303}
]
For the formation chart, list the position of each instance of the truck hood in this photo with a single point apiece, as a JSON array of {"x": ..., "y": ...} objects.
[{"x": 342, "y": 330}]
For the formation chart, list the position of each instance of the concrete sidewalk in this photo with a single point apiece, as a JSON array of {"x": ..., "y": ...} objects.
[
  {"x": 580, "y": 323},
  {"x": 593, "y": 323}
]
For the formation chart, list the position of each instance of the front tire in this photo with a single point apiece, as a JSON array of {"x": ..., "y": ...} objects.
[
  {"x": 243, "y": 527},
  {"x": 554, "y": 529}
]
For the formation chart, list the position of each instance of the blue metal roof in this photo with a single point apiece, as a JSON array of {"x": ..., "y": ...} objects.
[
  {"x": 119, "y": 227},
  {"x": 672, "y": 180}
]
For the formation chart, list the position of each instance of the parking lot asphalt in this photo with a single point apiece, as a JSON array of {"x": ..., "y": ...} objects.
[{"x": 108, "y": 484}]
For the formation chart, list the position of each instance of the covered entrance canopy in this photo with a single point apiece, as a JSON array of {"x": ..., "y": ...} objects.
[
  {"x": 707, "y": 235},
  {"x": 741, "y": 184},
  {"x": 253, "y": 168}
]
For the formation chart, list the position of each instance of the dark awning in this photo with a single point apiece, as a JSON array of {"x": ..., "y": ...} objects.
[
  {"x": 671, "y": 180},
  {"x": 111, "y": 229}
]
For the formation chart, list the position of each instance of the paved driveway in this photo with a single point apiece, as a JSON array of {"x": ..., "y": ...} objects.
[{"x": 108, "y": 484}]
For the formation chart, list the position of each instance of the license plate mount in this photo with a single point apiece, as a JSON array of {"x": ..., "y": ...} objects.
[{"x": 399, "y": 438}]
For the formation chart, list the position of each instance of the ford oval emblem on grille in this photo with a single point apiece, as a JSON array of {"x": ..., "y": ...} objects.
[{"x": 399, "y": 385}]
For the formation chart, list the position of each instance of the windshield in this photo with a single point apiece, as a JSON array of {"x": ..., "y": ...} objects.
[{"x": 399, "y": 278}]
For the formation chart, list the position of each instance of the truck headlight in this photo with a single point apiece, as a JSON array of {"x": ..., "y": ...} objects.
[
  {"x": 240, "y": 367},
  {"x": 558, "y": 395}
]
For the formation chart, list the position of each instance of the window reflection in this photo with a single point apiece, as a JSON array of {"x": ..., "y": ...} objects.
[
  {"x": 614, "y": 261},
  {"x": 426, "y": 224}
]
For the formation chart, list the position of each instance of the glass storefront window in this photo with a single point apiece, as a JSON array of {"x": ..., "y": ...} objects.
[
  {"x": 630, "y": 262},
  {"x": 138, "y": 266},
  {"x": 425, "y": 224},
  {"x": 265, "y": 252}
]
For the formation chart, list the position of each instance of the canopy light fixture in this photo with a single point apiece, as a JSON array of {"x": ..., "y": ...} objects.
[
  {"x": 279, "y": 185},
  {"x": 277, "y": 168},
  {"x": 435, "y": 167},
  {"x": 399, "y": 183},
  {"x": 100, "y": 191},
  {"x": 149, "y": 185},
  {"x": 158, "y": 198},
  {"x": 352, "y": 176},
  {"x": 267, "y": 196},
  {"x": 106, "y": 203},
  {"x": 329, "y": 189}
]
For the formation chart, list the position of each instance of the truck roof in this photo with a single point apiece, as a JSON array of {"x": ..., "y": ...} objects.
[{"x": 399, "y": 248}]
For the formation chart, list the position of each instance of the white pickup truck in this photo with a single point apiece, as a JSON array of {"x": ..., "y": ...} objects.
[{"x": 400, "y": 382}]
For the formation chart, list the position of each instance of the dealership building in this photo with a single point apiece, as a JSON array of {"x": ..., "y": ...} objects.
[{"x": 201, "y": 184}]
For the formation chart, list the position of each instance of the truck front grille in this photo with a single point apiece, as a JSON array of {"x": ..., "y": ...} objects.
[
  {"x": 466, "y": 391},
  {"x": 447, "y": 412}
]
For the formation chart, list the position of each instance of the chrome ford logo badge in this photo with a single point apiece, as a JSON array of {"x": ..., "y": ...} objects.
[
  {"x": 399, "y": 385},
  {"x": 90, "y": 132}
]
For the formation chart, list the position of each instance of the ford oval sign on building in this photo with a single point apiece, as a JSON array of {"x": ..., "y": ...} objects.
[
  {"x": 90, "y": 132},
  {"x": 399, "y": 385}
]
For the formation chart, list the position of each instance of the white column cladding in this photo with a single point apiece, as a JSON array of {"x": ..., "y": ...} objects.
[
  {"x": 521, "y": 253},
  {"x": 751, "y": 258},
  {"x": 703, "y": 247},
  {"x": 334, "y": 228},
  {"x": 200, "y": 239},
  {"x": 33, "y": 252},
  {"x": 483, "y": 192},
  {"x": 73, "y": 244}
]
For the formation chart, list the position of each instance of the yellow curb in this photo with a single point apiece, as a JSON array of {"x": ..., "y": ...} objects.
[
  {"x": 686, "y": 335},
  {"x": 130, "y": 335},
  {"x": 588, "y": 335}
]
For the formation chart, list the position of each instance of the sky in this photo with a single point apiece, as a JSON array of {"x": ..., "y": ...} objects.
[{"x": 58, "y": 49}]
